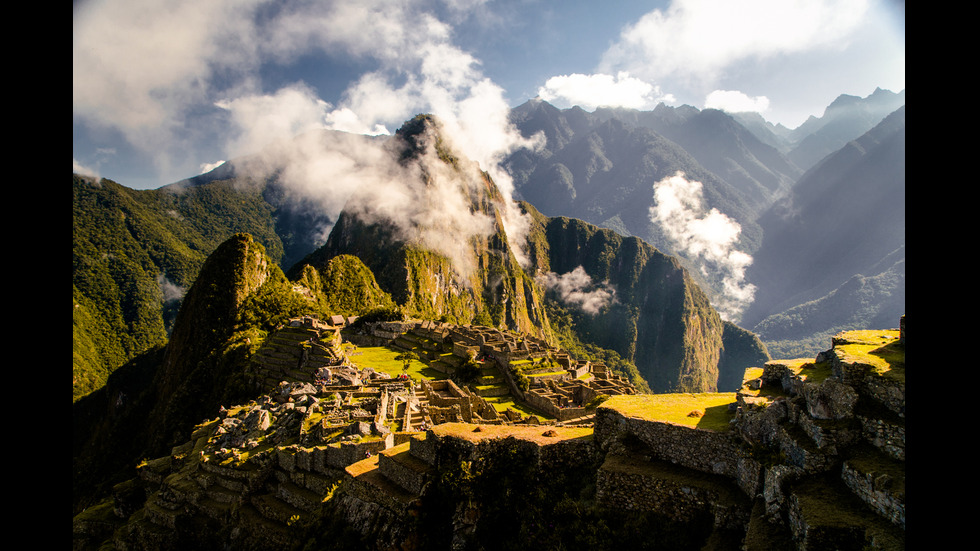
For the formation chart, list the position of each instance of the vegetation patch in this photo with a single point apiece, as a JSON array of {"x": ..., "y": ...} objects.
[
  {"x": 385, "y": 360},
  {"x": 676, "y": 408},
  {"x": 503, "y": 403},
  {"x": 879, "y": 349}
]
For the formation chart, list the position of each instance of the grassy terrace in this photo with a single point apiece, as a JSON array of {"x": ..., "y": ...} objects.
[
  {"x": 676, "y": 408},
  {"x": 878, "y": 348},
  {"x": 538, "y": 434},
  {"x": 807, "y": 369},
  {"x": 502, "y": 403},
  {"x": 383, "y": 359}
]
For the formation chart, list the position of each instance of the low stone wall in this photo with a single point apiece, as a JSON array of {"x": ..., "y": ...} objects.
[
  {"x": 626, "y": 483},
  {"x": 340, "y": 456},
  {"x": 549, "y": 408},
  {"x": 404, "y": 469},
  {"x": 702, "y": 450},
  {"x": 877, "y": 492}
]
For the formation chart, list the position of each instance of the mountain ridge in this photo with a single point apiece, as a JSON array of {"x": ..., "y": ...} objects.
[{"x": 810, "y": 249}]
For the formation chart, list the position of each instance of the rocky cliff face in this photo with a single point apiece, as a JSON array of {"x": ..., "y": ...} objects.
[{"x": 656, "y": 316}]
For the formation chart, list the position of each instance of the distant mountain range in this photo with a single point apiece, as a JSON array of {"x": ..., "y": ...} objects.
[
  {"x": 156, "y": 240},
  {"x": 603, "y": 167},
  {"x": 599, "y": 167},
  {"x": 833, "y": 255}
]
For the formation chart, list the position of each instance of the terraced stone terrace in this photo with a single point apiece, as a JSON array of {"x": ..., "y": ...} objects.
[{"x": 708, "y": 411}]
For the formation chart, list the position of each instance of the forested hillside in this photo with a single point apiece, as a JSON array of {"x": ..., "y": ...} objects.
[{"x": 134, "y": 254}]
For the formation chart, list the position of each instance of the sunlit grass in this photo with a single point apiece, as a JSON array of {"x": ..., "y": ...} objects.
[
  {"x": 502, "y": 403},
  {"x": 676, "y": 408},
  {"x": 878, "y": 348},
  {"x": 534, "y": 433},
  {"x": 382, "y": 359}
]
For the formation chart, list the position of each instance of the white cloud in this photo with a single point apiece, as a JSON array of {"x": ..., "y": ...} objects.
[
  {"x": 733, "y": 101},
  {"x": 170, "y": 290},
  {"x": 171, "y": 64},
  {"x": 85, "y": 171},
  {"x": 208, "y": 167},
  {"x": 265, "y": 118},
  {"x": 139, "y": 66},
  {"x": 699, "y": 39},
  {"x": 706, "y": 236},
  {"x": 576, "y": 288},
  {"x": 601, "y": 90}
]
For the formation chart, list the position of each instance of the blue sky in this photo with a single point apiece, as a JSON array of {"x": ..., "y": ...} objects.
[{"x": 162, "y": 90}]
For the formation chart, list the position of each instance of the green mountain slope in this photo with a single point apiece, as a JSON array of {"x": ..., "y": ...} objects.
[
  {"x": 133, "y": 254},
  {"x": 484, "y": 284},
  {"x": 150, "y": 402},
  {"x": 659, "y": 318}
]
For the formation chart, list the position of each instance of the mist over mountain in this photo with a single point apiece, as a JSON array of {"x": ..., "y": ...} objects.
[
  {"x": 615, "y": 168},
  {"x": 687, "y": 170},
  {"x": 617, "y": 297},
  {"x": 413, "y": 228},
  {"x": 606, "y": 172},
  {"x": 840, "y": 233}
]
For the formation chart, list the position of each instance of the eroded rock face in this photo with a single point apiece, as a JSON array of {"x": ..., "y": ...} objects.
[{"x": 830, "y": 400}]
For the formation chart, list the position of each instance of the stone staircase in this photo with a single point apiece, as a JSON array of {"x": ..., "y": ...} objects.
[
  {"x": 416, "y": 417},
  {"x": 393, "y": 478}
]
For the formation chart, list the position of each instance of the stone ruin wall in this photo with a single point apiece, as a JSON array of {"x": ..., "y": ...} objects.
[
  {"x": 447, "y": 400},
  {"x": 701, "y": 450}
]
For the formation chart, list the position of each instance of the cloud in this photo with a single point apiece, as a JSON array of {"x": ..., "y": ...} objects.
[
  {"x": 170, "y": 290},
  {"x": 708, "y": 237},
  {"x": 602, "y": 90},
  {"x": 208, "y": 167},
  {"x": 699, "y": 40},
  {"x": 576, "y": 288},
  {"x": 85, "y": 171},
  {"x": 733, "y": 101},
  {"x": 419, "y": 71},
  {"x": 175, "y": 71},
  {"x": 258, "y": 120},
  {"x": 139, "y": 67}
]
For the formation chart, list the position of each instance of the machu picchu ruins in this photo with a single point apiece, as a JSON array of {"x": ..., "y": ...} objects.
[
  {"x": 809, "y": 454},
  {"x": 309, "y": 351}
]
